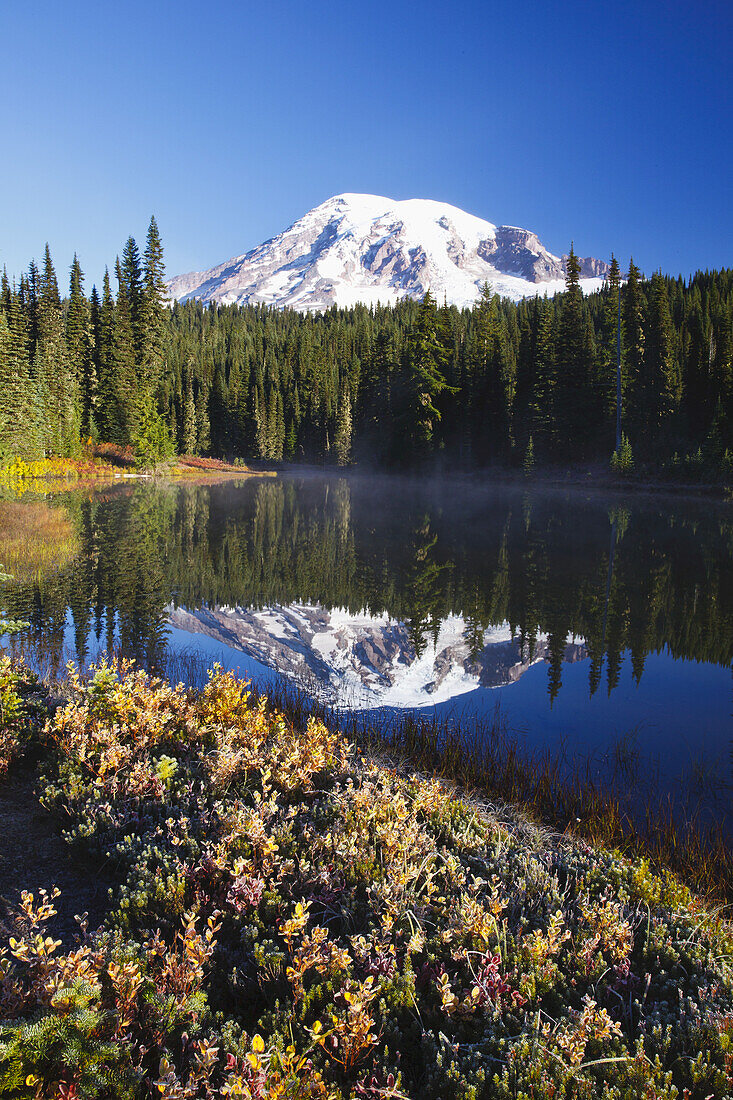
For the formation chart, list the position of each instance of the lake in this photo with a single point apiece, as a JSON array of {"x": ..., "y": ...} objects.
[{"x": 597, "y": 625}]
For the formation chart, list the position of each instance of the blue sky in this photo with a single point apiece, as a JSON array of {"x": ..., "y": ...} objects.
[{"x": 611, "y": 124}]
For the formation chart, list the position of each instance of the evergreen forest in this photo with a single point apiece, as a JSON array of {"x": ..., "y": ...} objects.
[{"x": 421, "y": 383}]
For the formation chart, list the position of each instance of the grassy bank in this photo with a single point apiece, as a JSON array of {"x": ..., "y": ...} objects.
[
  {"x": 290, "y": 918},
  {"x": 105, "y": 464}
]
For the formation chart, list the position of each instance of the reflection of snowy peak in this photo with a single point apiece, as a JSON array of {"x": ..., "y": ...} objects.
[
  {"x": 364, "y": 248},
  {"x": 364, "y": 661}
]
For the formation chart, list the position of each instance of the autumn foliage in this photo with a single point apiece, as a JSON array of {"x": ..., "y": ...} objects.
[{"x": 289, "y": 920}]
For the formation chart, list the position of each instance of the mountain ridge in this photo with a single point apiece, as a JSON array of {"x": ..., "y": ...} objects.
[{"x": 369, "y": 249}]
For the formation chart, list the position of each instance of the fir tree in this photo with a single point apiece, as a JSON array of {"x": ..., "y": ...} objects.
[
  {"x": 342, "y": 435},
  {"x": 58, "y": 385},
  {"x": 129, "y": 275},
  {"x": 489, "y": 396},
  {"x": 633, "y": 308},
  {"x": 542, "y": 404},
  {"x": 125, "y": 390},
  {"x": 20, "y": 428},
  {"x": 425, "y": 381},
  {"x": 608, "y": 345},
  {"x": 80, "y": 345},
  {"x": 574, "y": 422},
  {"x": 108, "y": 420},
  {"x": 662, "y": 383},
  {"x": 152, "y": 311},
  {"x": 50, "y": 297}
]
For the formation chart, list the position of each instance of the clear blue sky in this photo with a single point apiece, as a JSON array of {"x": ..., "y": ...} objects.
[{"x": 608, "y": 123}]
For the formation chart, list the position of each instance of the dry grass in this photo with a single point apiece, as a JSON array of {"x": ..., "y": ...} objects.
[{"x": 35, "y": 539}]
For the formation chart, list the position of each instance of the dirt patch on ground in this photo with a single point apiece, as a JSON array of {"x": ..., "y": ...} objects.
[{"x": 33, "y": 854}]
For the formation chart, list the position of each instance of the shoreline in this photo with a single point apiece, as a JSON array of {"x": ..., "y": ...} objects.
[{"x": 589, "y": 478}]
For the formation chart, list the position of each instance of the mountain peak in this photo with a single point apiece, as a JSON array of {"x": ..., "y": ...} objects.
[{"x": 358, "y": 248}]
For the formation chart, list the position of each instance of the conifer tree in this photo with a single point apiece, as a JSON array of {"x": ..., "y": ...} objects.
[
  {"x": 425, "y": 381},
  {"x": 662, "y": 382},
  {"x": 125, "y": 419},
  {"x": 488, "y": 372},
  {"x": 342, "y": 436},
  {"x": 80, "y": 345},
  {"x": 104, "y": 352},
  {"x": 50, "y": 296},
  {"x": 20, "y": 427},
  {"x": 633, "y": 308},
  {"x": 130, "y": 276},
  {"x": 574, "y": 368},
  {"x": 542, "y": 406},
  {"x": 203, "y": 424},
  {"x": 152, "y": 311},
  {"x": 33, "y": 291},
  {"x": 58, "y": 385},
  {"x": 608, "y": 341},
  {"x": 5, "y": 293}
]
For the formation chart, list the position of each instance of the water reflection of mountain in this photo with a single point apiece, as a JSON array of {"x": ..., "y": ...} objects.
[
  {"x": 630, "y": 576},
  {"x": 364, "y": 661}
]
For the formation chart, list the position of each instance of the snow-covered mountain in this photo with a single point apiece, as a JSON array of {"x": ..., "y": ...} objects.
[
  {"x": 365, "y": 661},
  {"x": 364, "y": 248}
]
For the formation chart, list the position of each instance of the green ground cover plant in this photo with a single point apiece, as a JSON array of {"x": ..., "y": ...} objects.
[{"x": 291, "y": 919}]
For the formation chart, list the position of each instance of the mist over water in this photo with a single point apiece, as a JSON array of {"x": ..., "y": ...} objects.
[{"x": 598, "y": 624}]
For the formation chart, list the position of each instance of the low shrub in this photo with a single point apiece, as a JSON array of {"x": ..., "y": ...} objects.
[{"x": 292, "y": 919}]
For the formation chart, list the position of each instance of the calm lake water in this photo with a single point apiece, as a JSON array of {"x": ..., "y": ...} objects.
[{"x": 602, "y": 625}]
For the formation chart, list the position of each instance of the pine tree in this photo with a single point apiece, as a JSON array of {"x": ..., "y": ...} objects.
[
  {"x": 608, "y": 345},
  {"x": 5, "y": 293},
  {"x": 58, "y": 385},
  {"x": 425, "y": 381},
  {"x": 342, "y": 436},
  {"x": 188, "y": 439},
  {"x": 107, "y": 413},
  {"x": 662, "y": 381},
  {"x": 20, "y": 428},
  {"x": 129, "y": 275},
  {"x": 490, "y": 428},
  {"x": 574, "y": 368},
  {"x": 50, "y": 297},
  {"x": 125, "y": 389},
  {"x": 33, "y": 285},
  {"x": 152, "y": 311},
  {"x": 203, "y": 424},
  {"x": 542, "y": 403},
  {"x": 80, "y": 346},
  {"x": 633, "y": 309}
]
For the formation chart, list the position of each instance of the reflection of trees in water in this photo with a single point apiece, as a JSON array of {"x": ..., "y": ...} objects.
[{"x": 640, "y": 578}]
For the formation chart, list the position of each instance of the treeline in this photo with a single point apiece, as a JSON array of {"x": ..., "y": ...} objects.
[
  {"x": 80, "y": 368},
  {"x": 504, "y": 382}
]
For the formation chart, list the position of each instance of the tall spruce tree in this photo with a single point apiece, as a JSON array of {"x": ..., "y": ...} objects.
[
  {"x": 152, "y": 311},
  {"x": 131, "y": 277},
  {"x": 104, "y": 350},
  {"x": 662, "y": 381},
  {"x": 126, "y": 416},
  {"x": 489, "y": 389},
  {"x": 425, "y": 382},
  {"x": 20, "y": 421},
  {"x": 608, "y": 345},
  {"x": 58, "y": 385},
  {"x": 80, "y": 346},
  {"x": 633, "y": 308},
  {"x": 575, "y": 367}
]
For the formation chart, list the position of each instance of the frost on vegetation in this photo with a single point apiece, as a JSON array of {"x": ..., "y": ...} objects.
[{"x": 289, "y": 919}]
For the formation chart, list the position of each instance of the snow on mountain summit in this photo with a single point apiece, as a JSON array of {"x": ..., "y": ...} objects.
[{"x": 368, "y": 249}]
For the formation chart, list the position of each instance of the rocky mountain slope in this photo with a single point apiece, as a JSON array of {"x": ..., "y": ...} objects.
[{"x": 369, "y": 249}]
